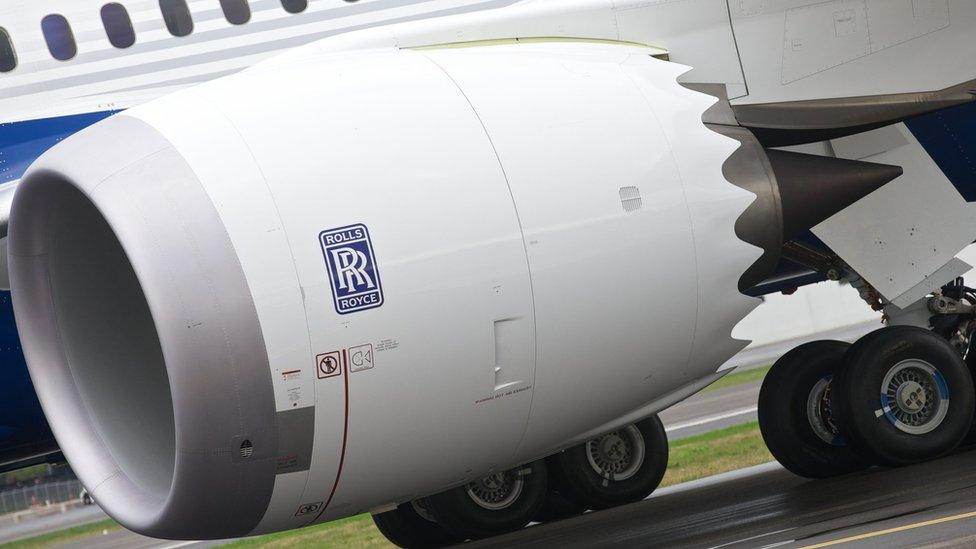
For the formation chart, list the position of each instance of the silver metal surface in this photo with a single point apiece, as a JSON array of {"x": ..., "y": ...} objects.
[
  {"x": 617, "y": 455},
  {"x": 911, "y": 398},
  {"x": 818, "y": 412},
  {"x": 497, "y": 491}
]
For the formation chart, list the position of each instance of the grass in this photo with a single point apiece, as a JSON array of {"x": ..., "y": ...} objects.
[
  {"x": 353, "y": 532},
  {"x": 690, "y": 458},
  {"x": 738, "y": 378},
  {"x": 64, "y": 536},
  {"x": 716, "y": 452}
]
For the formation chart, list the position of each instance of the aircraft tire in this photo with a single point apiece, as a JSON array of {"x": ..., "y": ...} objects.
[
  {"x": 616, "y": 468},
  {"x": 557, "y": 506},
  {"x": 502, "y": 502},
  {"x": 971, "y": 363},
  {"x": 927, "y": 396},
  {"x": 795, "y": 412},
  {"x": 411, "y": 526}
]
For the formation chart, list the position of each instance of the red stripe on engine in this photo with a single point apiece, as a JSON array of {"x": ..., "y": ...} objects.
[{"x": 345, "y": 435}]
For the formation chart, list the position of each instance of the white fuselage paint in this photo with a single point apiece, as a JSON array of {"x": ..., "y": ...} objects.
[{"x": 776, "y": 50}]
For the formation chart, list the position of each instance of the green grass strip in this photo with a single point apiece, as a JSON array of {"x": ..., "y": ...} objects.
[
  {"x": 716, "y": 452},
  {"x": 353, "y": 532},
  {"x": 738, "y": 378},
  {"x": 64, "y": 536}
]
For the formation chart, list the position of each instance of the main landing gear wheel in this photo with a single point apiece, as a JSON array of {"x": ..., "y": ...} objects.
[
  {"x": 796, "y": 416},
  {"x": 971, "y": 363},
  {"x": 412, "y": 526},
  {"x": 557, "y": 506},
  {"x": 904, "y": 395},
  {"x": 499, "y": 503},
  {"x": 616, "y": 468}
]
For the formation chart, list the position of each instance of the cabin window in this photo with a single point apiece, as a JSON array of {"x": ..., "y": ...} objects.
[
  {"x": 237, "y": 12},
  {"x": 176, "y": 14},
  {"x": 294, "y": 6},
  {"x": 118, "y": 25},
  {"x": 60, "y": 40},
  {"x": 8, "y": 57}
]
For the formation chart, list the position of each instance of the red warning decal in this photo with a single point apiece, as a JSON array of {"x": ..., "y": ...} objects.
[{"x": 328, "y": 365}]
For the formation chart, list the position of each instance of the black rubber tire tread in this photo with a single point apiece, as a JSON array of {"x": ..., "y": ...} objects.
[
  {"x": 581, "y": 484},
  {"x": 556, "y": 505},
  {"x": 971, "y": 363},
  {"x": 783, "y": 417},
  {"x": 858, "y": 383},
  {"x": 404, "y": 527},
  {"x": 460, "y": 515}
]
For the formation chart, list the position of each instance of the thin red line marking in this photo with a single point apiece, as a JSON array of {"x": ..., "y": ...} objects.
[{"x": 345, "y": 434}]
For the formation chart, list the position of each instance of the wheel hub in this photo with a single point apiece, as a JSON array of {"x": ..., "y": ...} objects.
[
  {"x": 498, "y": 490},
  {"x": 617, "y": 455},
  {"x": 819, "y": 413},
  {"x": 914, "y": 397},
  {"x": 911, "y": 396},
  {"x": 420, "y": 507}
]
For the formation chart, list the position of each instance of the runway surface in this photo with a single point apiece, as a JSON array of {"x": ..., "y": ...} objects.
[
  {"x": 713, "y": 410},
  {"x": 50, "y": 523},
  {"x": 930, "y": 505},
  {"x": 927, "y": 505},
  {"x": 123, "y": 539}
]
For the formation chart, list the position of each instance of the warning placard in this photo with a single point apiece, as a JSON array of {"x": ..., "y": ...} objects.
[
  {"x": 361, "y": 358},
  {"x": 328, "y": 365}
]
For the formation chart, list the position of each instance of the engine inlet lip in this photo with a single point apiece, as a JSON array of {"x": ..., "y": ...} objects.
[{"x": 210, "y": 338}]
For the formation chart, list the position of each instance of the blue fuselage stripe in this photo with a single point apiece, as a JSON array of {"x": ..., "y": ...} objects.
[{"x": 21, "y": 143}]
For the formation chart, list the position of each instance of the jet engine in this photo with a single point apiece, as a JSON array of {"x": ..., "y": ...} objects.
[{"x": 347, "y": 280}]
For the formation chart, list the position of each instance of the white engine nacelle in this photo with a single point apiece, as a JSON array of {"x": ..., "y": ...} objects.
[{"x": 322, "y": 287}]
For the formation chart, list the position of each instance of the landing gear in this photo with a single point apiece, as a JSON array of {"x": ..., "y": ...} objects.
[
  {"x": 609, "y": 470},
  {"x": 557, "y": 506},
  {"x": 899, "y": 395},
  {"x": 499, "y": 503},
  {"x": 796, "y": 415},
  {"x": 926, "y": 399},
  {"x": 411, "y": 525},
  {"x": 616, "y": 468}
]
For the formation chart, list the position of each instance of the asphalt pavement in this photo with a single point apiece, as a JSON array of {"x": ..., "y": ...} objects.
[{"x": 927, "y": 505}]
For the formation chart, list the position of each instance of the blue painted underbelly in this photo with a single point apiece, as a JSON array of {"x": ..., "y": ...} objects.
[
  {"x": 949, "y": 137},
  {"x": 21, "y": 143},
  {"x": 24, "y": 431}
]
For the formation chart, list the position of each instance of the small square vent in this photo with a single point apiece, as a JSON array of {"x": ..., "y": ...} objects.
[{"x": 630, "y": 199}]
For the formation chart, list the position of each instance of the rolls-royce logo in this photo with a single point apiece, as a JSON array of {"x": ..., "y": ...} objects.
[{"x": 352, "y": 268}]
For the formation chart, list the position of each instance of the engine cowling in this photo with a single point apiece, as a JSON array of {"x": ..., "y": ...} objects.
[{"x": 343, "y": 281}]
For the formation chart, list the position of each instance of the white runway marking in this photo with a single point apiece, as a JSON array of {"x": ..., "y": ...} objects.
[
  {"x": 181, "y": 544},
  {"x": 711, "y": 419}
]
